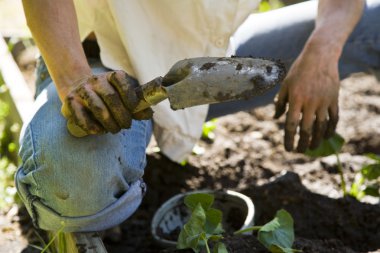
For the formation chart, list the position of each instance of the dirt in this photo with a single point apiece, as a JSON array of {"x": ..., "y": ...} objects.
[
  {"x": 249, "y": 244},
  {"x": 207, "y": 66},
  {"x": 247, "y": 155},
  {"x": 316, "y": 216},
  {"x": 350, "y": 226}
]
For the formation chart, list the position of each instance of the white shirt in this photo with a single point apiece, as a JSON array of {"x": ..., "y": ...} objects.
[{"x": 146, "y": 37}]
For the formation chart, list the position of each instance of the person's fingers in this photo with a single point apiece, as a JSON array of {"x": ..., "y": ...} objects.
[
  {"x": 113, "y": 103},
  {"x": 79, "y": 116},
  {"x": 280, "y": 102},
  {"x": 291, "y": 123},
  {"x": 103, "y": 103},
  {"x": 319, "y": 128},
  {"x": 333, "y": 120},
  {"x": 125, "y": 86},
  {"x": 308, "y": 116},
  {"x": 65, "y": 109},
  {"x": 98, "y": 108},
  {"x": 74, "y": 129}
]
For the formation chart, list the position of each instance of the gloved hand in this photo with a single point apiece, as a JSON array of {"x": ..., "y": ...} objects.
[{"x": 102, "y": 103}]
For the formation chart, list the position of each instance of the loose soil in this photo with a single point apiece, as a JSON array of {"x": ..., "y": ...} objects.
[{"x": 247, "y": 155}]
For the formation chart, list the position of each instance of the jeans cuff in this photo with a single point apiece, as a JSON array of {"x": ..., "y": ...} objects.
[{"x": 110, "y": 216}]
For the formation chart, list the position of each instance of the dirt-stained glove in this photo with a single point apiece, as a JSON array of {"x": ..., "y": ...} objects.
[{"x": 102, "y": 103}]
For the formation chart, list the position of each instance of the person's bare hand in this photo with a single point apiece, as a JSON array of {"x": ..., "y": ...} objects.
[
  {"x": 310, "y": 89},
  {"x": 102, "y": 103}
]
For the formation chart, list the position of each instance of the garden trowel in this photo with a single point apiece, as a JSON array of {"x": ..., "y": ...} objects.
[{"x": 208, "y": 80}]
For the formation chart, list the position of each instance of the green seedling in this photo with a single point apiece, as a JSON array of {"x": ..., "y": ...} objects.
[
  {"x": 183, "y": 163},
  {"x": 277, "y": 235},
  {"x": 367, "y": 181},
  {"x": 208, "y": 130},
  {"x": 56, "y": 244},
  {"x": 204, "y": 224},
  {"x": 331, "y": 146}
]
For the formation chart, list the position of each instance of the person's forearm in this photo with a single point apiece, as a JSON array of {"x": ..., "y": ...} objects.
[
  {"x": 55, "y": 31},
  {"x": 311, "y": 87},
  {"x": 335, "y": 21}
]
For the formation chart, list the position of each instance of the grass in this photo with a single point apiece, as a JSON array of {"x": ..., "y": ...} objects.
[{"x": 59, "y": 242}]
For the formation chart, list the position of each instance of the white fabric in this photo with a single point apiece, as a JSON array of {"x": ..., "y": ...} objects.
[{"x": 146, "y": 37}]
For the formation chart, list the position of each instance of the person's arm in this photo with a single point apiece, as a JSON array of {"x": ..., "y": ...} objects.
[
  {"x": 55, "y": 31},
  {"x": 311, "y": 87},
  {"x": 94, "y": 104}
]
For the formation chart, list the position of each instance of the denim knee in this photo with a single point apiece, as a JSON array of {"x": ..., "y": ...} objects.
[{"x": 89, "y": 183}]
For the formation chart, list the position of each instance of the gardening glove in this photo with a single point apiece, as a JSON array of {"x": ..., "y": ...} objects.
[
  {"x": 311, "y": 91},
  {"x": 102, "y": 103}
]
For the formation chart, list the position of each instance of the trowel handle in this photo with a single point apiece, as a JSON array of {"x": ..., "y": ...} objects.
[{"x": 150, "y": 94}]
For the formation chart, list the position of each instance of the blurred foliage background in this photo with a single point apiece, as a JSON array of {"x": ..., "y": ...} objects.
[
  {"x": 9, "y": 133},
  {"x": 12, "y": 27}
]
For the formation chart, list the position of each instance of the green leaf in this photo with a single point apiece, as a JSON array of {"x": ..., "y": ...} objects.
[
  {"x": 264, "y": 6},
  {"x": 204, "y": 224},
  {"x": 371, "y": 171},
  {"x": 215, "y": 237},
  {"x": 278, "y": 233},
  {"x": 185, "y": 241},
  {"x": 356, "y": 187},
  {"x": 279, "y": 249},
  {"x": 183, "y": 163},
  {"x": 181, "y": 241},
  {"x": 220, "y": 248},
  {"x": 372, "y": 190},
  {"x": 248, "y": 229},
  {"x": 193, "y": 230},
  {"x": 373, "y": 157},
  {"x": 195, "y": 242},
  {"x": 195, "y": 225},
  {"x": 206, "y": 200},
  {"x": 213, "y": 221},
  {"x": 327, "y": 147},
  {"x": 208, "y": 129}
]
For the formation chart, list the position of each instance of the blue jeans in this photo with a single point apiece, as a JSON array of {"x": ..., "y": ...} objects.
[
  {"x": 94, "y": 183},
  {"x": 89, "y": 183}
]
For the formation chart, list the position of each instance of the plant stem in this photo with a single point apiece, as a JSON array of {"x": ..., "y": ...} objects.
[
  {"x": 61, "y": 242},
  {"x": 340, "y": 170},
  {"x": 207, "y": 247},
  {"x": 53, "y": 239},
  {"x": 253, "y": 228}
]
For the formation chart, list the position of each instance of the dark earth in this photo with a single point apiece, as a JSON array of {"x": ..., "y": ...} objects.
[{"x": 247, "y": 155}]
